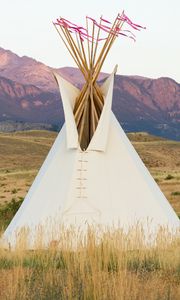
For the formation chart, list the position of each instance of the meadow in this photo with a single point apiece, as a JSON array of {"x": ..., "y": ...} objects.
[{"x": 107, "y": 270}]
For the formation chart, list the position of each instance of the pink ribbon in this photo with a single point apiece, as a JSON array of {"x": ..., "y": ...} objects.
[
  {"x": 73, "y": 28},
  {"x": 91, "y": 19},
  {"x": 104, "y": 20},
  {"x": 129, "y": 32},
  {"x": 135, "y": 26},
  {"x": 65, "y": 23}
]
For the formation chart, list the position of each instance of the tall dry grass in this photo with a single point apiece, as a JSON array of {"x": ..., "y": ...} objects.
[{"x": 112, "y": 267}]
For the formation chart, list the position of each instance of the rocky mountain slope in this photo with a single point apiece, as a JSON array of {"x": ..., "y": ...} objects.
[{"x": 28, "y": 93}]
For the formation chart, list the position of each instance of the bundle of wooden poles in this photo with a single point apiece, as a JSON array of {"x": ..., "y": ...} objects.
[{"x": 89, "y": 47}]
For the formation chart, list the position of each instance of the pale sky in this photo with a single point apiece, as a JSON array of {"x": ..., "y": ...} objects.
[{"x": 26, "y": 29}]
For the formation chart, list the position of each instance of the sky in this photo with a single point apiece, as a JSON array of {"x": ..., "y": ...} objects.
[{"x": 26, "y": 28}]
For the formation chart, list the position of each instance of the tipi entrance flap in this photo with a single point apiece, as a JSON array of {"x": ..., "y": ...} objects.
[
  {"x": 100, "y": 137},
  {"x": 69, "y": 94}
]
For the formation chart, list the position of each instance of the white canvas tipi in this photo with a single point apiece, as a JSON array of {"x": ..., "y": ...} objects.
[
  {"x": 92, "y": 174},
  {"x": 106, "y": 184}
]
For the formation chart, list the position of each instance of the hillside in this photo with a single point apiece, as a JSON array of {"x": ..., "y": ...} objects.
[
  {"x": 28, "y": 103},
  {"x": 25, "y": 70},
  {"x": 28, "y": 93},
  {"x": 22, "y": 154}
]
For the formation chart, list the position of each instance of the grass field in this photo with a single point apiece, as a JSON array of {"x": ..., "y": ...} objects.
[{"x": 104, "y": 271}]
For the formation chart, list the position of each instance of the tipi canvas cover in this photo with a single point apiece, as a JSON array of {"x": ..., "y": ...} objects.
[{"x": 106, "y": 184}]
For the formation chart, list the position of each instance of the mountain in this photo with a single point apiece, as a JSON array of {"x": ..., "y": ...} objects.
[
  {"x": 28, "y": 103},
  {"x": 28, "y": 93},
  {"x": 151, "y": 105},
  {"x": 26, "y": 70}
]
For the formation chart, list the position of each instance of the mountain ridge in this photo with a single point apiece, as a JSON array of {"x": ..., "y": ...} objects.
[{"x": 28, "y": 93}]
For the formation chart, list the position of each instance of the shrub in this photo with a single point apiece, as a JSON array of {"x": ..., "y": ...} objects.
[
  {"x": 14, "y": 191},
  {"x": 169, "y": 177},
  {"x": 8, "y": 210},
  {"x": 2, "y": 184},
  {"x": 175, "y": 193}
]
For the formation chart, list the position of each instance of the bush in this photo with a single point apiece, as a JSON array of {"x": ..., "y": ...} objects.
[
  {"x": 14, "y": 191},
  {"x": 175, "y": 193},
  {"x": 8, "y": 210},
  {"x": 169, "y": 177}
]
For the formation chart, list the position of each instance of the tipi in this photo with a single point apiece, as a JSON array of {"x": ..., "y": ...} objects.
[{"x": 92, "y": 174}]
